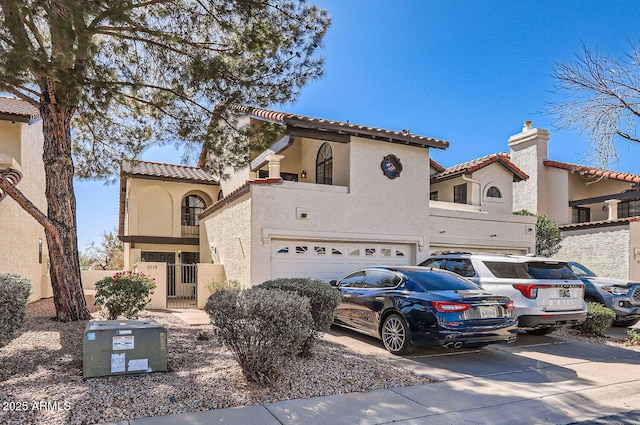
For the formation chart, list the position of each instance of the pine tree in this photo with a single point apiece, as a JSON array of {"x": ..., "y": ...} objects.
[{"x": 111, "y": 77}]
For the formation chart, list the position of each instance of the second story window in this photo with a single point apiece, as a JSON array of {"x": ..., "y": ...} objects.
[
  {"x": 460, "y": 194},
  {"x": 581, "y": 215},
  {"x": 324, "y": 165},
  {"x": 192, "y": 205},
  {"x": 433, "y": 196},
  {"x": 493, "y": 192},
  {"x": 629, "y": 208}
]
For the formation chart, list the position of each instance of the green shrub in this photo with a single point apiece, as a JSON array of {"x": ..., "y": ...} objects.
[
  {"x": 323, "y": 299},
  {"x": 263, "y": 329},
  {"x": 633, "y": 336},
  {"x": 124, "y": 294},
  {"x": 214, "y": 286},
  {"x": 598, "y": 320},
  {"x": 14, "y": 294}
]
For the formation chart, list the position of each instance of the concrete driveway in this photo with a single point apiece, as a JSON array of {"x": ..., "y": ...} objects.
[{"x": 600, "y": 380}]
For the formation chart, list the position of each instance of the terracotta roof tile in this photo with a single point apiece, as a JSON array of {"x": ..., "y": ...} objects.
[
  {"x": 293, "y": 120},
  {"x": 437, "y": 166},
  {"x": 18, "y": 107},
  {"x": 476, "y": 164},
  {"x": 584, "y": 170},
  {"x": 602, "y": 223},
  {"x": 169, "y": 171}
]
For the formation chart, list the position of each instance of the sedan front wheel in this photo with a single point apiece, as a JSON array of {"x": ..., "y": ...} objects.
[{"x": 396, "y": 335}]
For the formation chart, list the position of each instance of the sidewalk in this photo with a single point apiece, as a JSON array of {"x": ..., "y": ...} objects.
[{"x": 476, "y": 401}]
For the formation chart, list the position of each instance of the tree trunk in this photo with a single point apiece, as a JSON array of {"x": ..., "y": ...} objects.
[{"x": 62, "y": 239}]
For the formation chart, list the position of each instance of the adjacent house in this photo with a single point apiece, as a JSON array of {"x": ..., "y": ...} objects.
[
  {"x": 598, "y": 210},
  {"x": 23, "y": 246},
  {"x": 159, "y": 220},
  {"x": 471, "y": 208}
]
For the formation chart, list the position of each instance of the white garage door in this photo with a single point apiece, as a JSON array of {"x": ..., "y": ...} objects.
[{"x": 333, "y": 260}]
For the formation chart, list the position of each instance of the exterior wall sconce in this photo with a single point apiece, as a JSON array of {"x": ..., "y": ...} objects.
[{"x": 303, "y": 174}]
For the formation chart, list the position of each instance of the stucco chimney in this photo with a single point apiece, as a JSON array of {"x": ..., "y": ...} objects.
[{"x": 528, "y": 152}]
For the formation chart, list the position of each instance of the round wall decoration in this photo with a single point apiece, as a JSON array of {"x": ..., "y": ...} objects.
[{"x": 391, "y": 166}]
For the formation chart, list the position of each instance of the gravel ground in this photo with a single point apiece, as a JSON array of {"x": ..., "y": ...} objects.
[{"x": 41, "y": 376}]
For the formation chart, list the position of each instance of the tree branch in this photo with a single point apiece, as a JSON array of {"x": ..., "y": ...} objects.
[{"x": 26, "y": 204}]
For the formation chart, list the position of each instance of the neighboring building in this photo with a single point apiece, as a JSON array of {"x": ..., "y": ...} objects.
[
  {"x": 159, "y": 209},
  {"x": 472, "y": 208},
  {"x": 598, "y": 210},
  {"x": 23, "y": 246}
]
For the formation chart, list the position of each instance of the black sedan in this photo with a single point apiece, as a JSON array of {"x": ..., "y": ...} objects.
[{"x": 423, "y": 306}]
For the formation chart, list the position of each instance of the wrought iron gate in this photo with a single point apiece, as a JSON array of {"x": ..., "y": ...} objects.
[{"x": 182, "y": 285}]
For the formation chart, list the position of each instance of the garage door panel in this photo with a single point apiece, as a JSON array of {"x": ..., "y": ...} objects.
[{"x": 332, "y": 260}]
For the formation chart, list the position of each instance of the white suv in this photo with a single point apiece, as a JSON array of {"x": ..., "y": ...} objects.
[{"x": 547, "y": 294}]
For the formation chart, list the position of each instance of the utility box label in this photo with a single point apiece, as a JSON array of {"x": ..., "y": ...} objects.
[
  {"x": 123, "y": 343},
  {"x": 138, "y": 364},
  {"x": 117, "y": 362}
]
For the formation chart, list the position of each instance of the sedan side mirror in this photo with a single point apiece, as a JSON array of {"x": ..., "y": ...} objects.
[{"x": 333, "y": 283}]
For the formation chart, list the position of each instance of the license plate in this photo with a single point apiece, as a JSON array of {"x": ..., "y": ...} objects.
[
  {"x": 487, "y": 312},
  {"x": 565, "y": 292}
]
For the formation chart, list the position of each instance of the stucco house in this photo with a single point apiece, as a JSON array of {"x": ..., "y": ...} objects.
[
  {"x": 159, "y": 221},
  {"x": 471, "y": 208},
  {"x": 598, "y": 210},
  {"x": 326, "y": 198},
  {"x": 23, "y": 246}
]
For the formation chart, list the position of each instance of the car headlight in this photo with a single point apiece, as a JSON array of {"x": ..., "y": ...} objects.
[{"x": 616, "y": 290}]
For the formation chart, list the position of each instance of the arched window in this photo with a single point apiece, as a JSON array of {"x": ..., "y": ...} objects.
[
  {"x": 324, "y": 165},
  {"x": 493, "y": 192},
  {"x": 192, "y": 205}
]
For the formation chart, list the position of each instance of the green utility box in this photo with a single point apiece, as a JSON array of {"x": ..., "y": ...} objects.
[{"x": 123, "y": 347}]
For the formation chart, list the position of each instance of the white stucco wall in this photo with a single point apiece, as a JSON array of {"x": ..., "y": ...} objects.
[
  {"x": 445, "y": 190},
  {"x": 604, "y": 250},
  {"x": 557, "y": 194},
  {"x": 19, "y": 232},
  {"x": 372, "y": 207},
  {"x": 228, "y": 233},
  {"x": 154, "y": 206},
  {"x": 481, "y": 232},
  {"x": 528, "y": 151},
  {"x": 498, "y": 176}
]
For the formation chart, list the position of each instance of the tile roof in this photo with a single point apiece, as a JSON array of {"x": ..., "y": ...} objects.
[
  {"x": 168, "y": 171},
  {"x": 437, "y": 166},
  {"x": 301, "y": 121},
  {"x": 602, "y": 223},
  {"x": 19, "y": 108},
  {"x": 476, "y": 164},
  {"x": 587, "y": 171}
]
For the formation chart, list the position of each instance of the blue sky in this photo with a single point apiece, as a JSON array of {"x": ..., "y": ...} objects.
[{"x": 470, "y": 72}]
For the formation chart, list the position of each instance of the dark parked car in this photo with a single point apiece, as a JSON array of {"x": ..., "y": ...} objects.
[
  {"x": 417, "y": 305},
  {"x": 622, "y": 296}
]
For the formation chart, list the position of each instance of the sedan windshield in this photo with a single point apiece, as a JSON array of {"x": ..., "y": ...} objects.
[{"x": 434, "y": 281}]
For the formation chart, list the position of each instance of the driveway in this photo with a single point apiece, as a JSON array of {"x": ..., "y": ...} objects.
[{"x": 589, "y": 378}]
